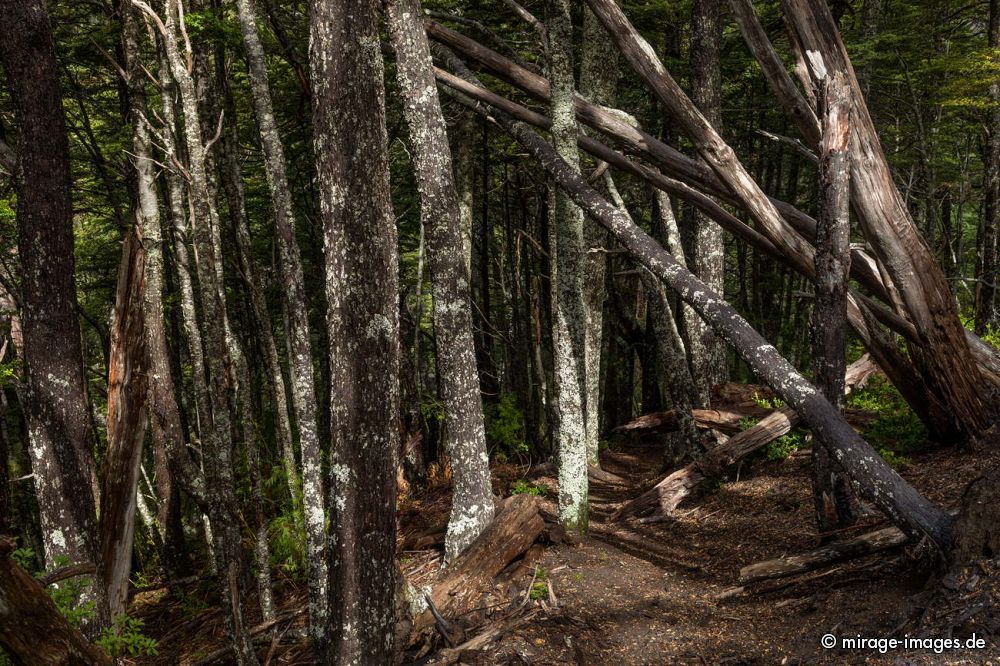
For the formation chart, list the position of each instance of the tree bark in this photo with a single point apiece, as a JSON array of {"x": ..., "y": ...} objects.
[
  {"x": 873, "y": 479},
  {"x": 569, "y": 310},
  {"x": 32, "y": 628},
  {"x": 986, "y": 308},
  {"x": 56, "y": 406},
  {"x": 472, "y": 499},
  {"x": 943, "y": 354},
  {"x": 831, "y": 494},
  {"x": 216, "y": 428},
  {"x": 300, "y": 356},
  {"x": 598, "y": 80},
  {"x": 706, "y": 351},
  {"x": 363, "y": 322},
  {"x": 173, "y": 464},
  {"x": 127, "y": 393}
]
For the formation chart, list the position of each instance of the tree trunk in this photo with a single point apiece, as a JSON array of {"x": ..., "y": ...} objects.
[
  {"x": 598, "y": 80},
  {"x": 56, "y": 406},
  {"x": 873, "y": 479},
  {"x": 831, "y": 494},
  {"x": 173, "y": 463},
  {"x": 986, "y": 308},
  {"x": 472, "y": 499},
  {"x": 706, "y": 351},
  {"x": 363, "y": 323},
  {"x": 217, "y": 429},
  {"x": 943, "y": 354},
  {"x": 31, "y": 627},
  {"x": 300, "y": 351},
  {"x": 127, "y": 392},
  {"x": 569, "y": 317}
]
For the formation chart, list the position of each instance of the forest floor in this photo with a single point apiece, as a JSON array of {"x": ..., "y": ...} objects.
[{"x": 649, "y": 593}]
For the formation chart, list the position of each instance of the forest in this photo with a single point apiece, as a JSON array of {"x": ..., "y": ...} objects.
[{"x": 499, "y": 332}]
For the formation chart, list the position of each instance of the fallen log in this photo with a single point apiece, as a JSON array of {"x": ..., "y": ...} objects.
[
  {"x": 782, "y": 567},
  {"x": 31, "y": 627},
  {"x": 517, "y": 525},
  {"x": 671, "y": 491}
]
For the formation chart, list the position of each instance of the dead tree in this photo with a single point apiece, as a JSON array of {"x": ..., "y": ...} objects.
[
  {"x": 829, "y": 325},
  {"x": 665, "y": 496},
  {"x": 942, "y": 353},
  {"x": 360, "y": 255},
  {"x": 871, "y": 476},
  {"x": 127, "y": 392}
]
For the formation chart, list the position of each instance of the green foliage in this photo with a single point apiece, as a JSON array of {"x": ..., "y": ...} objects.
[
  {"x": 24, "y": 557},
  {"x": 124, "y": 638},
  {"x": 896, "y": 430},
  {"x": 782, "y": 447},
  {"x": 522, "y": 487},
  {"x": 288, "y": 543},
  {"x": 540, "y": 586},
  {"x": 505, "y": 427},
  {"x": 66, "y": 596}
]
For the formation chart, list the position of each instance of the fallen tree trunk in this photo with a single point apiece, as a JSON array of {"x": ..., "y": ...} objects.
[
  {"x": 665, "y": 497},
  {"x": 782, "y": 567},
  {"x": 693, "y": 174},
  {"x": 31, "y": 627},
  {"x": 873, "y": 478},
  {"x": 865, "y": 315},
  {"x": 515, "y": 528},
  {"x": 943, "y": 351}
]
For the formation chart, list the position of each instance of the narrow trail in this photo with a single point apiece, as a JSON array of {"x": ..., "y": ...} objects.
[{"x": 647, "y": 593}]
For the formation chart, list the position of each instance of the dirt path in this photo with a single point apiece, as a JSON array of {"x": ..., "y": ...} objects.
[{"x": 648, "y": 593}]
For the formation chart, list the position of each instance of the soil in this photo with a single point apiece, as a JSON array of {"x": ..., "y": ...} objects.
[{"x": 663, "y": 593}]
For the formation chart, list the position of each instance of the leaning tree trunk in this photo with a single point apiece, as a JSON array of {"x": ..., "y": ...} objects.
[
  {"x": 56, "y": 409},
  {"x": 874, "y": 480},
  {"x": 300, "y": 352},
  {"x": 707, "y": 249},
  {"x": 569, "y": 313},
  {"x": 173, "y": 463},
  {"x": 829, "y": 324},
  {"x": 943, "y": 352},
  {"x": 359, "y": 231},
  {"x": 32, "y": 629},
  {"x": 472, "y": 500}
]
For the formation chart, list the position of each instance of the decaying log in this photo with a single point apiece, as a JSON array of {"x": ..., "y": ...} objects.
[
  {"x": 671, "y": 491},
  {"x": 593, "y": 474},
  {"x": 31, "y": 627},
  {"x": 872, "y": 542},
  {"x": 723, "y": 420},
  {"x": 518, "y": 523},
  {"x": 484, "y": 638}
]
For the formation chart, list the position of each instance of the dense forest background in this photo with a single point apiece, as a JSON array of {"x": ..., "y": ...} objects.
[{"x": 166, "y": 130}]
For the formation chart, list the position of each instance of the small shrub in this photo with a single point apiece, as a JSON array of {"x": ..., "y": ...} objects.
[
  {"x": 124, "y": 638},
  {"x": 522, "y": 487}
]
